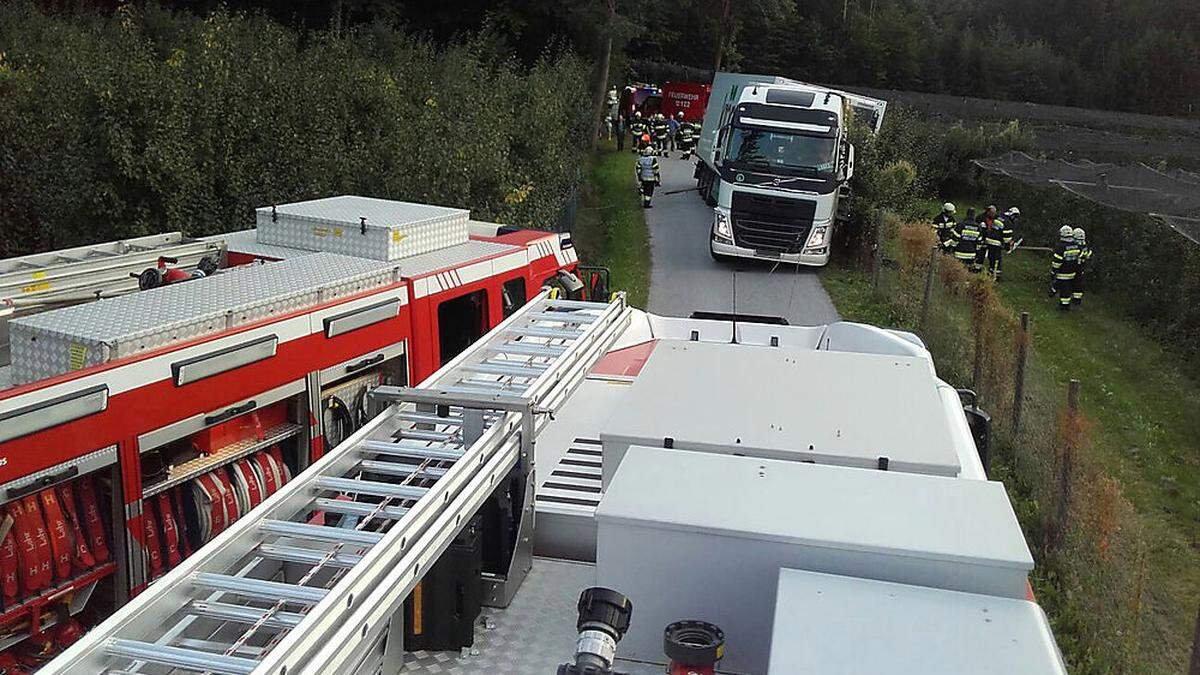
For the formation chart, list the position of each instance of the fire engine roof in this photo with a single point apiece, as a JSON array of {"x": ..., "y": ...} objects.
[
  {"x": 711, "y": 396},
  {"x": 236, "y": 288}
]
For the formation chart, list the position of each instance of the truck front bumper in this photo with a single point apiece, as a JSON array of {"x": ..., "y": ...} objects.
[{"x": 732, "y": 250}]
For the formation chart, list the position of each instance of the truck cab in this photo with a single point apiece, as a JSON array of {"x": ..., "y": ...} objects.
[{"x": 775, "y": 160}]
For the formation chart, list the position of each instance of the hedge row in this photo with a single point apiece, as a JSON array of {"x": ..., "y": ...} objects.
[{"x": 124, "y": 124}]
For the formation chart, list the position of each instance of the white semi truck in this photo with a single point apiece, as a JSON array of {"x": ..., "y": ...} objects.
[{"x": 775, "y": 160}]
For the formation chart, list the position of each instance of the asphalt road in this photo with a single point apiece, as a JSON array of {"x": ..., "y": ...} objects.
[{"x": 684, "y": 277}]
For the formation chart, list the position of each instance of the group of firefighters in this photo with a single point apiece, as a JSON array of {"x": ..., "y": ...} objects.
[
  {"x": 661, "y": 134},
  {"x": 655, "y": 136},
  {"x": 981, "y": 242}
]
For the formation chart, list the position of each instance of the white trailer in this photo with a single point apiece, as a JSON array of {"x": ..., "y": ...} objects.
[{"x": 775, "y": 160}]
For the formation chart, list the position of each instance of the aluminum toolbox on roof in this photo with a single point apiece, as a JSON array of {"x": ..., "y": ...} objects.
[
  {"x": 362, "y": 226},
  {"x": 904, "y": 630},
  {"x": 721, "y": 526},
  {"x": 72, "y": 338},
  {"x": 823, "y": 406}
]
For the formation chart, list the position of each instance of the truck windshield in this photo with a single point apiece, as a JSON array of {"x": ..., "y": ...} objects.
[{"x": 782, "y": 152}]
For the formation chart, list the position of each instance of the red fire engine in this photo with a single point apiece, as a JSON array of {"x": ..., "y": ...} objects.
[{"x": 161, "y": 387}]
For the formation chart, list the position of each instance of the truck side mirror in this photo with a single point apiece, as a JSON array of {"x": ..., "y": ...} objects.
[
  {"x": 849, "y": 161},
  {"x": 980, "y": 423}
]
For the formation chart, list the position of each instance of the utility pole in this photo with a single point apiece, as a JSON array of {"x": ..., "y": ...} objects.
[{"x": 722, "y": 32}]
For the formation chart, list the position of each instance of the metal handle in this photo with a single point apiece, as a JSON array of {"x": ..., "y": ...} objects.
[
  {"x": 365, "y": 363},
  {"x": 42, "y": 482},
  {"x": 231, "y": 412}
]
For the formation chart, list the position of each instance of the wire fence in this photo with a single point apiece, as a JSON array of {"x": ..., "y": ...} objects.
[{"x": 1088, "y": 540}]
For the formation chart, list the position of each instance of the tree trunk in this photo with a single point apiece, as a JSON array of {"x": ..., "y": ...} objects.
[
  {"x": 722, "y": 32},
  {"x": 601, "y": 86}
]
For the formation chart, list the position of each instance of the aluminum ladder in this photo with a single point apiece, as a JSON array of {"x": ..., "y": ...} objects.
[
  {"x": 90, "y": 272},
  {"x": 310, "y": 580}
]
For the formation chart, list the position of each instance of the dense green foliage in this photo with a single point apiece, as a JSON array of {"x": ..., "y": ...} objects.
[{"x": 125, "y": 124}]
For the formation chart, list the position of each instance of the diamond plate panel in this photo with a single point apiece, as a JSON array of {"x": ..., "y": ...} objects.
[
  {"x": 393, "y": 230},
  {"x": 532, "y": 636},
  {"x": 72, "y": 338}
]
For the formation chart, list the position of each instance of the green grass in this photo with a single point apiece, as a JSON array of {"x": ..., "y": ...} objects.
[
  {"x": 610, "y": 229},
  {"x": 1146, "y": 435}
]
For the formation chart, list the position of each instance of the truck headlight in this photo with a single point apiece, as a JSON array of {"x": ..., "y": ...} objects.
[
  {"x": 721, "y": 227},
  {"x": 818, "y": 237}
]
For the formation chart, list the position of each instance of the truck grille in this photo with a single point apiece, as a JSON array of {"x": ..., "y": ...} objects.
[{"x": 764, "y": 222}]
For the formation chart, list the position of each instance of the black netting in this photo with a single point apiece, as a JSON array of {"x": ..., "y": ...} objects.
[{"x": 1173, "y": 197}]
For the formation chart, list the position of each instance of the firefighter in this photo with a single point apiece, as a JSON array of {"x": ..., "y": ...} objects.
[
  {"x": 1085, "y": 254},
  {"x": 1012, "y": 218},
  {"x": 637, "y": 127},
  {"x": 997, "y": 238},
  {"x": 965, "y": 241},
  {"x": 1064, "y": 267},
  {"x": 660, "y": 131},
  {"x": 647, "y": 175},
  {"x": 944, "y": 222}
]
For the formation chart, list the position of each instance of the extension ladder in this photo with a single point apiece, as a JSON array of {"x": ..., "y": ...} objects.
[{"x": 310, "y": 580}]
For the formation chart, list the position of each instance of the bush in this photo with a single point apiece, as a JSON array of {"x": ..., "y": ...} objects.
[{"x": 120, "y": 125}]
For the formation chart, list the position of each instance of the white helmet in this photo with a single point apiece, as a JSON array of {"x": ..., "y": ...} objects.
[
  {"x": 1065, "y": 232},
  {"x": 1079, "y": 235},
  {"x": 1013, "y": 211},
  {"x": 948, "y": 207}
]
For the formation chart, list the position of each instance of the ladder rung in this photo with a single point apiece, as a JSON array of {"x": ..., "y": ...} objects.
[
  {"x": 242, "y": 614},
  {"x": 538, "y": 331},
  {"x": 423, "y": 435},
  {"x": 308, "y": 556},
  {"x": 429, "y": 418},
  {"x": 361, "y": 509},
  {"x": 370, "y": 487},
  {"x": 526, "y": 349},
  {"x": 400, "y": 469},
  {"x": 320, "y": 532},
  {"x": 574, "y": 304},
  {"x": 178, "y": 657},
  {"x": 467, "y": 388},
  {"x": 505, "y": 369},
  {"x": 258, "y": 588},
  {"x": 403, "y": 449},
  {"x": 565, "y": 317}
]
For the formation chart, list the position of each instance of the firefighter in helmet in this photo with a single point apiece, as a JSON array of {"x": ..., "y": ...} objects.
[
  {"x": 944, "y": 222},
  {"x": 637, "y": 128},
  {"x": 646, "y": 173},
  {"x": 997, "y": 238},
  {"x": 1085, "y": 254},
  {"x": 1064, "y": 266}
]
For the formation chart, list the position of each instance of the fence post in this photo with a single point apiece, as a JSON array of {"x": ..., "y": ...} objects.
[
  {"x": 877, "y": 261},
  {"x": 928, "y": 299},
  {"x": 1019, "y": 383},
  {"x": 1066, "y": 462},
  {"x": 1194, "y": 668}
]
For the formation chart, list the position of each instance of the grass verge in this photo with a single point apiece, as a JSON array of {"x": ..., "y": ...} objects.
[
  {"x": 610, "y": 228},
  {"x": 1138, "y": 616}
]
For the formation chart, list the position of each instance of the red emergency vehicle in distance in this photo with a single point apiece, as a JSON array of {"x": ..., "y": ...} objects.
[{"x": 691, "y": 98}]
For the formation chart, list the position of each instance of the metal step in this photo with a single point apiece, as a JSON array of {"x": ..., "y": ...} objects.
[{"x": 278, "y": 592}]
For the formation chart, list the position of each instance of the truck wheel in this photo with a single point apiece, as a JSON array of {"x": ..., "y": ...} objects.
[
  {"x": 716, "y": 256},
  {"x": 709, "y": 197}
]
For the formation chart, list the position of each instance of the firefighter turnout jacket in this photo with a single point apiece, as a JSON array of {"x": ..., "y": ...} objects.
[
  {"x": 964, "y": 240},
  {"x": 997, "y": 233},
  {"x": 647, "y": 169}
]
